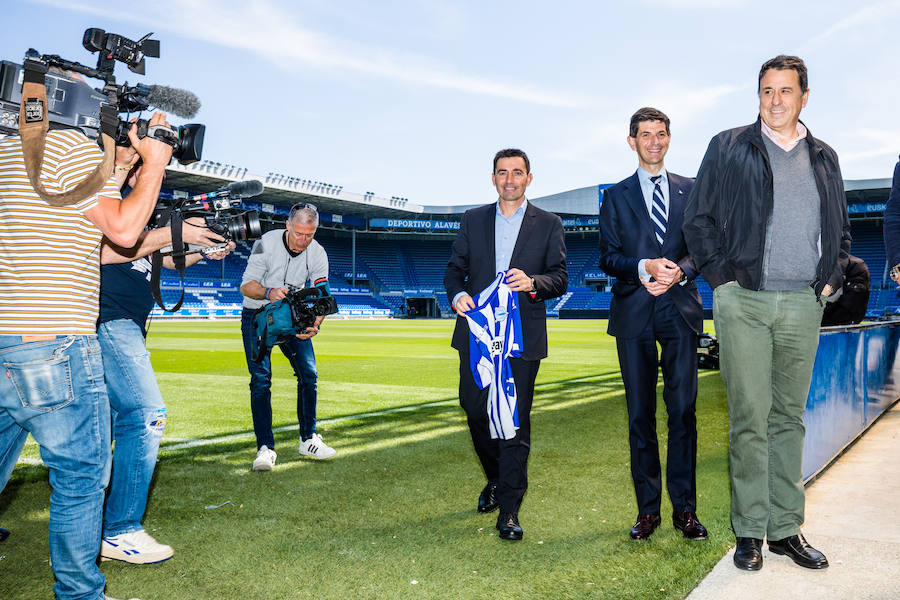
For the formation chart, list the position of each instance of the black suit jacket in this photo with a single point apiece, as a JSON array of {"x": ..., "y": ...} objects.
[
  {"x": 626, "y": 237},
  {"x": 540, "y": 252}
]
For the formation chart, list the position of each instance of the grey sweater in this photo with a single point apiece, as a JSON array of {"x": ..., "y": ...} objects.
[{"x": 793, "y": 235}]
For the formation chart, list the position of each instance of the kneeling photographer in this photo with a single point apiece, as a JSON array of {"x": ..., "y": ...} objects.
[
  {"x": 138, "y": 411},
  {"x": 282, "y": 258}
]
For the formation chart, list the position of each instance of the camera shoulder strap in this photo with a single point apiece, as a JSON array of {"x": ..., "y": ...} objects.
[
  {"x": 173, "y": 219},
  {"x": 33, "y": 128}
]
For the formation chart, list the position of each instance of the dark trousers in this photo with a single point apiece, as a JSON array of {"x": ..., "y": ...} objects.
[
  {"x": 639, "y": 363},
  {"x": 503, "y": 461},
  {"x": 302, "y": 357}
]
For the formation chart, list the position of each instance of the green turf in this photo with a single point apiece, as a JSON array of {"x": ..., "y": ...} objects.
[{"x": 392, "y": 516}]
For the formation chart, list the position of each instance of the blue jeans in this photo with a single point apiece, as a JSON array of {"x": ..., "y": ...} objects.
[
  {"x": 303, "y": 360},
  {"x": 139, "y": 419},
  {"x": 54, "y": 390}
]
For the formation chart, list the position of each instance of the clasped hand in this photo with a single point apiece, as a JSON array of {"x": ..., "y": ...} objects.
[{"x": 665, "y": 274}]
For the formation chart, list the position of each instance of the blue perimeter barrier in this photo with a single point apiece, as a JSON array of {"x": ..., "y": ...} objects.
[{"x": 856, "y": 378}]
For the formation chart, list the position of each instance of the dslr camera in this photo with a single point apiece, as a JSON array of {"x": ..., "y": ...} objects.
[{"x": 73, "y": 104}]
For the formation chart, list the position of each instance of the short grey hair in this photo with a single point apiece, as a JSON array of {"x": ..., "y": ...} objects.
[{"x": 305, "y": 216}]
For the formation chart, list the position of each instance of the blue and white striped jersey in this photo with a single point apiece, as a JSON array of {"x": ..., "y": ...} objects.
[{"x": 495, "y": 335}]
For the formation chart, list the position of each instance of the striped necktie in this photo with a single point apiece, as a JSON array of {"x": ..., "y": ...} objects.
[{"x": 658, "y": 210}]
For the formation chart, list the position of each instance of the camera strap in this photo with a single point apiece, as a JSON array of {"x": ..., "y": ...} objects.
[
  {"x": 172, "y": 218},
  {"x": 33, "y": 128}
]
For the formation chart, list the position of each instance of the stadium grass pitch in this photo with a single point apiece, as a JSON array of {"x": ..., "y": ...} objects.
[{"x": 393, "y": 514}]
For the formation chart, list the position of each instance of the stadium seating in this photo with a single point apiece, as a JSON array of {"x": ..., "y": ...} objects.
[{"x": 390, "y": 270}]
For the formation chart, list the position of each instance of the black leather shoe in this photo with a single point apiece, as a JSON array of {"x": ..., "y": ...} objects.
[
  {"x": 645, "y": 526},
  {"x": 688, "y": 524},
  {"x": 508, "y": 526},
  {"x": 487, "y": 501},
  {"x": 799, "y": 550},
  {"x": 748, "y": 554},
  {"x": 4, "y": 533}
]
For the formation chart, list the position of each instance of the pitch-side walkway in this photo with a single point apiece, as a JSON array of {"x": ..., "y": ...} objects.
[{"x": 852, "y": 515}]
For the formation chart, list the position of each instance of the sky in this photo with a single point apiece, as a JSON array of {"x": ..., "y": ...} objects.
[{"x": 412, "y": 98}]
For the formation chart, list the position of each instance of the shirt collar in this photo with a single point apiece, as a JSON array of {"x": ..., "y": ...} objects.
[
  {"x": 520, "y": 210},
  {"x": 800, "y": 134},
  {"x": 645, "y": 176}
]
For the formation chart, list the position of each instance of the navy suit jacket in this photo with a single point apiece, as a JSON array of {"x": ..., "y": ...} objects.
[
  {"x": 892, "y": 221},
  {"x": 626, "y": 237},
  {"x": 540, "y": 252}
]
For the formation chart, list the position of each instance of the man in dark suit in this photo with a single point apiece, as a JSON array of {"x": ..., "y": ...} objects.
[
  {"x": 654, "y": 300},
  {"x": 515, "y": 236}
]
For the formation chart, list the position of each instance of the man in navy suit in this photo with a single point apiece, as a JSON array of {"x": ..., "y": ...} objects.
[
  {"x": 654, "y": 300},
  {"x": 515, "y": 236}
]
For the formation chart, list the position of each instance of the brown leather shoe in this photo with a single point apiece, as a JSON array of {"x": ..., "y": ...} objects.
[
  {"x": 645, "y": 526},
  {"x": 688, "y": 523}
]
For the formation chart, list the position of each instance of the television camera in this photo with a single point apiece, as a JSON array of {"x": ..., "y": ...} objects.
[{"x": 72, "y": 103}]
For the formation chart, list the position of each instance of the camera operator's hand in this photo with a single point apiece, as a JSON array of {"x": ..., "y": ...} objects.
[
  {"x": 122, "y": 221},
  {"x": 277, "y": 293},
  {"x": 311, "y": 331},
  {"x": 196, "y": 232},
  {"x": 154, "y": 152},
  {"x": 220, "y": 254},
  {"x": 126, "y": 158}
]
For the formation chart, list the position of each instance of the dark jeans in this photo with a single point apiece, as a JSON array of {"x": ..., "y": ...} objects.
[{"x": 303, "y": 360}]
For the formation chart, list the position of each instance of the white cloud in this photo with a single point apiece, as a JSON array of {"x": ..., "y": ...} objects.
[
  {"x": 881, "y": 11},
  {"x": 269, "y": 30}
]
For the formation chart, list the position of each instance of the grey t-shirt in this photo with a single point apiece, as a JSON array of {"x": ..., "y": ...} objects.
[{"x": 271, "y": 265}]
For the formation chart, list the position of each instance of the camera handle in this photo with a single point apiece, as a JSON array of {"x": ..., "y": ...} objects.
[
  {"x": 33, "y": 128},
  {"x": 173, "y": 218}
]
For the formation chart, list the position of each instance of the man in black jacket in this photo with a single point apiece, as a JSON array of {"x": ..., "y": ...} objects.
[
  {"x": 767, "y": 225},
  {"x": 892, "y": 227},
  {"x": 514, "y": 236}
]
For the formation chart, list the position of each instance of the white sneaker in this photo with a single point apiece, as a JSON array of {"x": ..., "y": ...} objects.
[
  {"x": 137, "y": 548},
  {"x": 314, "y": 447},
  {"x": 265, "y": 459}
]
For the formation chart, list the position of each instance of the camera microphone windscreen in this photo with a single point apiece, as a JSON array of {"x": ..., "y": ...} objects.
[
  {"x": 182, "y": 103},
  {"x": 245, "y": 189}
]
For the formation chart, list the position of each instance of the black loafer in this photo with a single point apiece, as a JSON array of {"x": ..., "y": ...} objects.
[
  {"x": 487, "y": 500},
  {"x": 645, "y": 526},
  {"x": 689, "y": 525},
  {"x": 748, "y": 554},
  {"x": 508, "y": 526},
  {"x": 4, "y": 533},
  {"x": 799, "y": 550}
]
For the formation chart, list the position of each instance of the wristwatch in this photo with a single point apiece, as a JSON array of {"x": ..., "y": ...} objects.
[{"x": 533, "y": 285}]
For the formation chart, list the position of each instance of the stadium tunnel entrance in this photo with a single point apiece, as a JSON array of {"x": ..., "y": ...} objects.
[{"x": 422, "y": 308}]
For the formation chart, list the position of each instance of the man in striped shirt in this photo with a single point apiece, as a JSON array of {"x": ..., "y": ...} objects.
[{"x": 49, "y": 288}]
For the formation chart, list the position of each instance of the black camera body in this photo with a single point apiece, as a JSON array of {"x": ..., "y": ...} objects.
[
  {"x": 73, "y": 104},
  {"x": 307, "y": 304}
]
